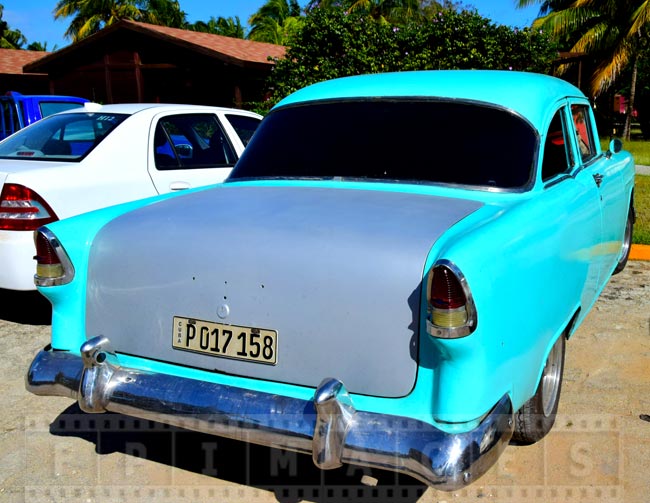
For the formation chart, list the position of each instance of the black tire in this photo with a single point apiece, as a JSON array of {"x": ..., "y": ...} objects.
[
  {"x": 537, "y": 416},
  {"x": 627, "y": 243}
]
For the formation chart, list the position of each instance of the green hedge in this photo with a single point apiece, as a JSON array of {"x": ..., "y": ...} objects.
[{"x": 335, "y": 43}]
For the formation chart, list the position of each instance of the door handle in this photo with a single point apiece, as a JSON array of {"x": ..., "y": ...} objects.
[
  {"x": 598, "y": 178},
  {"x": 179, "y": 186}
]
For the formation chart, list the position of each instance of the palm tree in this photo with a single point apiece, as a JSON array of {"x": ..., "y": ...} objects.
[
  {"x": 10, "y": 39},
  {"x": 613, "y": 31},
  {"x": 39, "y": 46},
  {"x": 273, "y": 31},
  {"x": 384, "y": 11},
  {"x": 275, "y": 22},
  {"x": 164, "y": 13},
  {"x": 546, "y": 6},
  {"x": 389, "y": 11},
  {"x": 90, "y": 16},
  {"x": 228, "y": 27}
]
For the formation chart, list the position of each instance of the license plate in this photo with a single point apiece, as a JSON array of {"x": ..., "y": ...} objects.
[{"x": 258, "y": 345}]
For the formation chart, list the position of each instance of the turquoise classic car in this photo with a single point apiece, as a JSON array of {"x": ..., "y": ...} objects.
[{"x": 388, "y": 278}]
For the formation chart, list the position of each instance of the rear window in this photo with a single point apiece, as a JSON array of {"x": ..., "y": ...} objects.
[
  {"x": 393, "y": 140},
  {"x": 61, "y": 137}
]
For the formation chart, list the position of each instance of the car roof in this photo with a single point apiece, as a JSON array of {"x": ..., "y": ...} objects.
[
  {"x": 133, "y": 108},
  {"x": 528, "y": 94}
]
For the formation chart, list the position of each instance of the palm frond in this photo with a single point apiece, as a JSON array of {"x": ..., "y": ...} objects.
[
  {"x": 641, "y": 19},
  {"x": 609, "y": 69}
]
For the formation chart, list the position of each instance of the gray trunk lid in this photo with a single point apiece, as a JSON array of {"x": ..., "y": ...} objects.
[{"x": 336, "y": 272}]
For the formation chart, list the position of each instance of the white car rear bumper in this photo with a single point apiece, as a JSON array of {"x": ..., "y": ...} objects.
[{"x": 17, "y": 265}]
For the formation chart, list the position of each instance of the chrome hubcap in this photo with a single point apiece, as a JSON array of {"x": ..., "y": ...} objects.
[{"x": 551, "y": 378}]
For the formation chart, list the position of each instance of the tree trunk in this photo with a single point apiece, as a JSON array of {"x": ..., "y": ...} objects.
[{"x": 630, "y": 103}]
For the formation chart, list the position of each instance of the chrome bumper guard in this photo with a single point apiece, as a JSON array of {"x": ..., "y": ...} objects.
[{"x": 327, "y": 427}]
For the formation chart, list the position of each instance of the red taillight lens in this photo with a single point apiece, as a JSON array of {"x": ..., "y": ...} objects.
[
  {"x": 45, "y": 253},
  {"x": 446, "y": 290},
  {"x": 53, "y": 267},
  {"x": 22, "y": 209},
  {"x": 450, "y": 307}
]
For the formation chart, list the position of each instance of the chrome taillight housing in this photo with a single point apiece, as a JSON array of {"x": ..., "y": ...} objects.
[
  {"x": 53, "y": 267},
  {"x": 451, "y": 312}
]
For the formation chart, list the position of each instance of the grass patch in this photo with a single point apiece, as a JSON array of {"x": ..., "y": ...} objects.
[
  {"x": 640, "y": 150},
  {"x": 642, "y": 205}
]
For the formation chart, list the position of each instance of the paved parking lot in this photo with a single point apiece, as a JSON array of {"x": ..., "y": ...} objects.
[{"x": 599, "y": 449}]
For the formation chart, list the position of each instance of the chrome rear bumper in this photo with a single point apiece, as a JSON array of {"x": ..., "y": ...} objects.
[{"x": 327, "y": 427}]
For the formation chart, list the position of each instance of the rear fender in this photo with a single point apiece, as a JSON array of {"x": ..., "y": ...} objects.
[
  {"x": 520, "y": 313},
  {"x": 76, "y": 235}
]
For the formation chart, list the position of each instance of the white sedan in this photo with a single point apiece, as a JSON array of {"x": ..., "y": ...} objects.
[{"x": 98, "y": 156}]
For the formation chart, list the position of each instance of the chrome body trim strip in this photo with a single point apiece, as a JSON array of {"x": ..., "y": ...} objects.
[{"x": 327, "y": 427}]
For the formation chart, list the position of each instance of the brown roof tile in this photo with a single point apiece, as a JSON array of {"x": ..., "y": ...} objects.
[
  {"x": 235, "y": 51},
  {"x": 243, "y": 51},
  {"x": 13, "y": 60}
]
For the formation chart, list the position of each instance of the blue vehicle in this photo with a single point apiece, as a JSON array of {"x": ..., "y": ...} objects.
[
  {"x": 18, "y": 110},
  {"x": 388, "y": 277}
]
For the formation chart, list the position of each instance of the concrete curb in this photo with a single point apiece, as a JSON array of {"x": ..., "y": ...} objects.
[{"x": 640, "y": 252}]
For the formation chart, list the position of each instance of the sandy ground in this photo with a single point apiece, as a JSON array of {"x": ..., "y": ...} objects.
[{"x": 598, "y": 451}]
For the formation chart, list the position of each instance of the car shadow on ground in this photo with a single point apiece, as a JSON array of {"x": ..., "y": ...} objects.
[
  {"x": 28, "y": 308},
  {"x": 290, "y": 476}
]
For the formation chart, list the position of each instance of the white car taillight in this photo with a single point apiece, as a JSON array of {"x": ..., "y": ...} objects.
[
  {"x": 53, "y": 267},
  {"x": 22, "y": 209},
  {"x": 450, "y": 308}
]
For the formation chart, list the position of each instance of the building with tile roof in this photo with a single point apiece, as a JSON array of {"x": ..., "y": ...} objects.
[
  {"x": 139, "y": 62},
  {"x": 12, "y": 77}
]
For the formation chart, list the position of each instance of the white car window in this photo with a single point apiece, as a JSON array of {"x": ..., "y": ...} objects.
[
  {"x": 191, "y": 141},
  {"x": 244, "y": 126}
]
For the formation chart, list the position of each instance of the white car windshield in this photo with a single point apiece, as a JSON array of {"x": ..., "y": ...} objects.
[{"x": 67, "y": 137}]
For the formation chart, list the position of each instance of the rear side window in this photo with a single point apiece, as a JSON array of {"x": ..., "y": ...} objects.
[
  {"x": 61, "y": 137},
  {"x": 191, "y": 141},
  {"x": 583, "y": 132},
  {"x": 244, "y": 126}
]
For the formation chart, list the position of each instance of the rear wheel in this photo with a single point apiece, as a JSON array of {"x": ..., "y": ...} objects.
[
  {"x": 627, "y": 242},
  {"x": 536, "y": 417}
]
